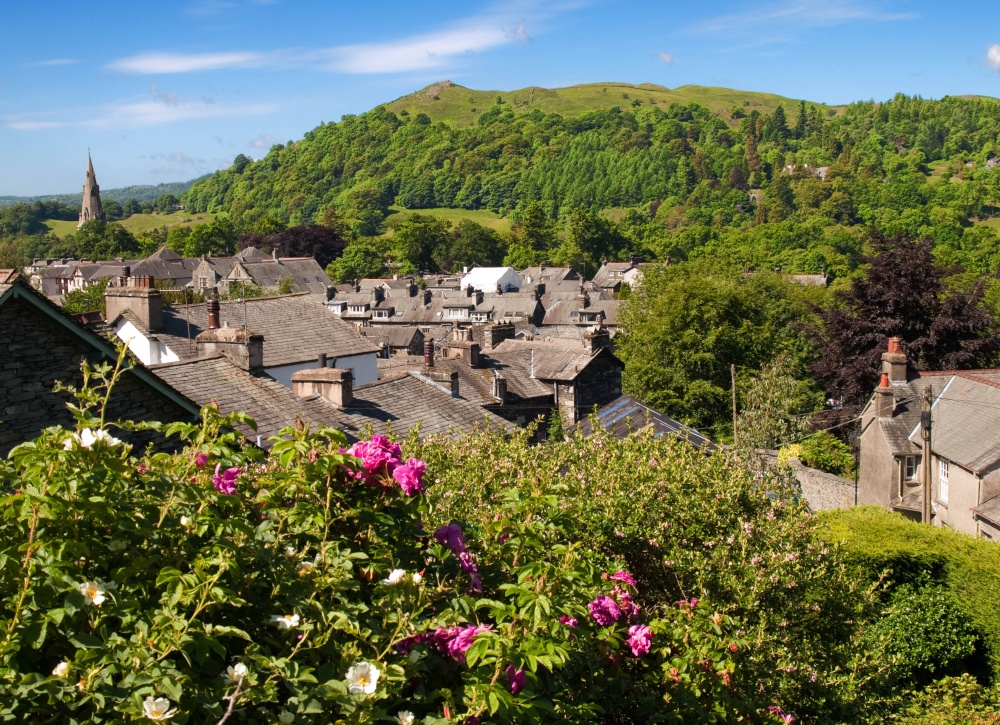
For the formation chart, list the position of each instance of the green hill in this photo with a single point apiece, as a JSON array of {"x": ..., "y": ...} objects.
[{"x": 459, "y": 106}]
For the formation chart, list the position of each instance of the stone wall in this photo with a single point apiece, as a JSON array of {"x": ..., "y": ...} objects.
[
  {"x": 597, "y": 385},
  {"x": 37, "y": 353}
]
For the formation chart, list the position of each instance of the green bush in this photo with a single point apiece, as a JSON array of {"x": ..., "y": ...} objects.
[{"x": 924, "y": 632}]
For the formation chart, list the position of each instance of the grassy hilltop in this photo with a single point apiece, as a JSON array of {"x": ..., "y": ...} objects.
[{"x": 460, "y": 106}]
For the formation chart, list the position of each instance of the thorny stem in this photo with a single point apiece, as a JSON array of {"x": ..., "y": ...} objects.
[{"x": 232, "y": 701}]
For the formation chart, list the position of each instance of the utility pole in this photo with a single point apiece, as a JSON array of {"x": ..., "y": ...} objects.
[
  {"x": 732, "y": 376},
  {"x": 925, "y": 433}
]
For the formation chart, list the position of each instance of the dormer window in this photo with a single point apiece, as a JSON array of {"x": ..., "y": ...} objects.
[{"x": 357, "y": 309}]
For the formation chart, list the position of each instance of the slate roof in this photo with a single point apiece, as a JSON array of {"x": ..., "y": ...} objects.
[
  {"x": 552, "y": 360},
  {"x": 306, "y": 274},
  {"x": 966, "y": 420},
  {"x": 272, "y": 405},
  {"x": 295, "y": 328},
  {"x": 625, "y": 415},
  {"x": 165, "y": 254},
  {"x": 392, "y": 335},
  {"x": 990, "y": 510},
  {"x": 548, "y": 274},
  {"x": 567, "y": 312},
  {"x": 604, "y": 277},
  {"x": 402, "y": 400},
  {"x": 179, "y": 271},
  {"x": 398, "y": 403},
  {"x": 965, "y": 417}
]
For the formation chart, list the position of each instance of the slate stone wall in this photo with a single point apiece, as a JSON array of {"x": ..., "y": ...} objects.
[{"x": 36, "y": 352}]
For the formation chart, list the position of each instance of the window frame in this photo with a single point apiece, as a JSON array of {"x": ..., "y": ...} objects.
[{"x": 943, "y": 483}]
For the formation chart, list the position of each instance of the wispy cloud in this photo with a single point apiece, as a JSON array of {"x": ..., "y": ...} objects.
[
  {"x": 167, "y": 63},
  {"x": 789, "y": 15},
  {"x": 436, "y": 49},
  {"x": 53, "y": 61},
  {"x": 264, "y": 141},
  {"x": 666, "y": 57},
  {"x": 161, "y": 108},
  {"x": 177, "y": 158},
  {"x": 993, "y": 56}
]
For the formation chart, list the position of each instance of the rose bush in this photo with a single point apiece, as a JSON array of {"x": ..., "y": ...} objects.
[{"x": 314, "y": 583}]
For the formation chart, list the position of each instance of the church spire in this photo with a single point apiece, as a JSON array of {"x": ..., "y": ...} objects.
[{"x": 90, "y": 208}]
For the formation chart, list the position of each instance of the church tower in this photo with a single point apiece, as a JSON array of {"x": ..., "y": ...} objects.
[{"x": 91, "y": 206}]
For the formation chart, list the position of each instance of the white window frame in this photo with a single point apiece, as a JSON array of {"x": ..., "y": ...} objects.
[
  {"x": 911, "y": 462},
  {"x": 943, "y": 480}
]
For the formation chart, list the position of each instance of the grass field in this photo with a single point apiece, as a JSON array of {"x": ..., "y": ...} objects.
[
  {"x": 480, "y": 216},
  {"x": 460, "y": 106},
  {"x": 138, "y": 223}
]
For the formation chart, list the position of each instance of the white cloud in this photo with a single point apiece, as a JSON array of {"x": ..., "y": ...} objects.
[
  {"x": 160, "y": 109},
  {"x": 178, "y": 158},
  {"x": 264, "y": 141},
  {"x": 417, "y": 52},
  {"x": 993, "y": 56},
  {"x": 666, "y": 57},
  {"x": 54, "y": 61},
  {"x": 420, "y": 52},
  {"x": 795, "y": 14},
  {"x": 162, "y": 63}
]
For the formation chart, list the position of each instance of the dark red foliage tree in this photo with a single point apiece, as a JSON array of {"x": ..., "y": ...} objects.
[
  {"x": 309, "y": 240},
  {"x": 900, "y": 294}
]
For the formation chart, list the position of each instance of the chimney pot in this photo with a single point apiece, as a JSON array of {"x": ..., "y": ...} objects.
[
  {"x": 895, "y": 345},
  {"x": 213, "y": 314},
  {"x": 321, "y": 360},
  {"x": 429, "y": 353}
]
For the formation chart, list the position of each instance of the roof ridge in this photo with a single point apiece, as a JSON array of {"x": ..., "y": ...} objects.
[
  {"x": 977, "y": 379},
  {"x": 190, "y": 361}
]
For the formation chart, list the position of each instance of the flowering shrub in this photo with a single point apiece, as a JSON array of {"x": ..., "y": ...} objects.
[
  {"x": 308, "y": 584},
  {"x": 689, "y": 528}
]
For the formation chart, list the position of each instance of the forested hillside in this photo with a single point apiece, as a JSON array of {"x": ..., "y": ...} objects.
[{"x": 906, "y": 165}]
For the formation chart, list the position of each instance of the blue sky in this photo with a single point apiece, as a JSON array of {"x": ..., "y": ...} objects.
[{"x": 172, "y": 90}]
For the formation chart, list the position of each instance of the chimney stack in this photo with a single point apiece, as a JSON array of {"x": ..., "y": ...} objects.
[
  {"x": 884, "y": 402},
  {"x": 500, "y": 388},
  {"x": 335, "y": 385},
  {"x": 894, "y": 361},
  {"x": 213, "y": 314},
  {"x": 597, "y": 339},
  {"x": 321, "y": 360},
  {"x": 244, "y": 348},
  {"x": 144, "y": 302},
  {"x": 429, "y": 353}
]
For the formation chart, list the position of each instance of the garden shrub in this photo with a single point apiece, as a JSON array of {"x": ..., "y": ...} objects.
[
  {"x": 827, "y": 453},
  {"x": 313, "y": 583},
  {"x": 924, "y": 633},
  {"x": 888, "y": 546},
  {"x": 689, "y": 525}
]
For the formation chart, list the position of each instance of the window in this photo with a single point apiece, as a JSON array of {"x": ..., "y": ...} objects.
[
  {"x": 943, "y": 480},
  {"x": 457, "y": 312},
  {"x": 910, "y": 468}
]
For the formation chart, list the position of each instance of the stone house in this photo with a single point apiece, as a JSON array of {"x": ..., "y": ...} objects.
[
  {"x": 43, "y": 345},
  {"x": 613, "y": 275},
  {"x": 964, "y": 461}
]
